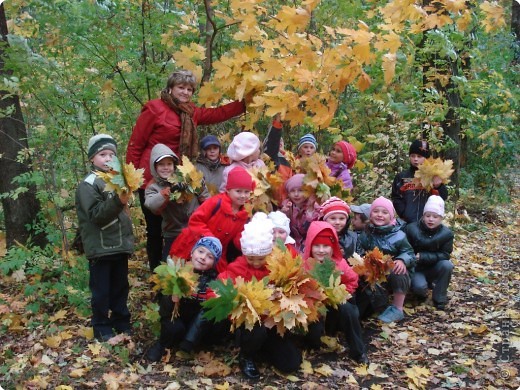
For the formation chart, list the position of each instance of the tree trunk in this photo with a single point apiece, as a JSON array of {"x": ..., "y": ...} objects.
[
  {"x": 22, "y": 211},
  {"x": 515, "y": 28}
]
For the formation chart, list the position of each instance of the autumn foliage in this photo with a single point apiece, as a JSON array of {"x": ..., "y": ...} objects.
[{"x": 374, "y": 266}]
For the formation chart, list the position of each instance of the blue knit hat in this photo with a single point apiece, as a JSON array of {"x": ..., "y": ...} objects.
[
  {"x": 208, "y": 141},
  {"x": 212, "y": 244},
  {"x": 307, "y": 139}
]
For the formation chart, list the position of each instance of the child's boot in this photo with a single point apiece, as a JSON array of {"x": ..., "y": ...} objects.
[{"x": 156, "y": 352}]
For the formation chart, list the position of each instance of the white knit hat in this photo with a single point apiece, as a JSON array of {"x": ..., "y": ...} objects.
[
  {"x": 280, "y": 220},
  {"x": 257, "y": 237},
  {"x": 434, "y": 204},
  {"x": 243, "y": 145}
]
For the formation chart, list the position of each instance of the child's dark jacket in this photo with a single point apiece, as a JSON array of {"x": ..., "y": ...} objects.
[
  {"x": 432, "y": 244},
  {"x": 105, "y": 226},
  {"x": 409, "y": 199},
  {"x": 390, "y": 240}
]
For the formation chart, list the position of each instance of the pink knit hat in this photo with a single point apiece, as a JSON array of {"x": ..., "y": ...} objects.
[
  {"x": 349, "y": 153},
  {"x": 334, "y": 205},
  {"x": 243, "y": 145},
  {"x": 434, "y": 204},
  {"x": 295, "y": 181},
  {"x": 387, "y": 204}
]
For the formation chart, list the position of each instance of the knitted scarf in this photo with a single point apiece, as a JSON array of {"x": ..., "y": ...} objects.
[
  {"x": 212, "y": 165},
  {"x": 188, "y": 143}
]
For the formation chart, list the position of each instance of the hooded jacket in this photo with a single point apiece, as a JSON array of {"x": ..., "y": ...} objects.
[
  {"x": 104, "y": 225},
  {"x": 433, "y": 245},
  {"x": 348, "y": 277},
  {"x": 409, "y": 199},
  {"x": 390, "y": 240},
  {"x": 159, "y": 124},
  {"x": 175, "y": 215},
  {"x": 214, "y": 218}
]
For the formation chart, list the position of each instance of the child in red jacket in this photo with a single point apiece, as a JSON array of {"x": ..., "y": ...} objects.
[
  {"x": 257, "y": 244},
  {"x": 222, "y": 216},
  {"x": 321, "y": 243}
]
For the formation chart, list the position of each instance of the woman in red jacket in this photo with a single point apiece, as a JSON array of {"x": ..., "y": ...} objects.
[
  {"x": 171, "y": 120},
  {"x": 321, "y": 243}
]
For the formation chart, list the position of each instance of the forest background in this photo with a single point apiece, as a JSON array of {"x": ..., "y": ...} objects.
[{"x": 378, "y": 74}]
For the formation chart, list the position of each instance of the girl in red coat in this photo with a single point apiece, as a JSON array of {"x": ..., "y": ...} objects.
[
  {"x": 222, "y": 216},
  {"x": 171, "y": 120},
  {"x": 321, "y": 243},
  {"x": 257, "y": 244}
]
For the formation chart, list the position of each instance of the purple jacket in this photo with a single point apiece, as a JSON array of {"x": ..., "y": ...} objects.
[{"x": 340, "y": 171}]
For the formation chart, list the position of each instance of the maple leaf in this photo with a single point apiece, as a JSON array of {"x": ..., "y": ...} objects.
[
  {"x": 374, "y": 266},
  {"x": 329, "y": 279},
  {"x": 254, "y": 301},
  {"x": 419, "y": 377},
  {"x": 220, "y": 307},
  {"x": 429, "y": 169},
  {"x": 190, "y": 177},
  {"x": 121, "y": 179},
  {"x": 494, "y": 16}
]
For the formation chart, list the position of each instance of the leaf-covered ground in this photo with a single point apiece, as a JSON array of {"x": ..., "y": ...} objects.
[{"x": 473, "y": 344}]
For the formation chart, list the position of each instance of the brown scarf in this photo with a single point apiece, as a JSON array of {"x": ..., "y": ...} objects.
[{"x": 188, "y": 143}]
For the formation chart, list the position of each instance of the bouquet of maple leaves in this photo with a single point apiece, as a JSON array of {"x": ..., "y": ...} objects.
[
  {"x": 289, "y": 298},
  {"x": 430, "y": 168},
  {"x": 188, "y": 182},
  {"x": 176, "y": 278},
  {"x": 374, "y": 266},
  {"x": 121, "y": 178}
]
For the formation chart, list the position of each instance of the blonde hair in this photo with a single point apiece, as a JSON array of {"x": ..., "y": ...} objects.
[{"x": 181, "y": 76}]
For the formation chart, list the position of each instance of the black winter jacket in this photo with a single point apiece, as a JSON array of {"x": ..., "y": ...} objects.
[
  {"x": 390, "y": 240},
  {"x": 432, "y": 244},
  {"x": 408, "y": 199}
]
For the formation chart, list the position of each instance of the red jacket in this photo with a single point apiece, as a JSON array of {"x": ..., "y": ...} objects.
[
  {"x": 348, "y": 277},
  {"x": 159, "y": 124},
  {"x": 213, "y": 218},
  {"x": 240, "y": 267}
]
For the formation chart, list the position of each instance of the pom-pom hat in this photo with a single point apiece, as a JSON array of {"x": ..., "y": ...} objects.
[
  {"x": 434, "y": 204},
  {"x": 100, "y": 142},
  {"x": 212, "y": 244},
  {"x": 243, "y": 145},
  {"x": 349, "y": 153},
  {"x": 257, "y": 237},
  {"x": 420, "y": 147},
  {"x": 307, "y": 139},
  {"x": 238, "y": 177},
  {"x": 334, "y": 205}
]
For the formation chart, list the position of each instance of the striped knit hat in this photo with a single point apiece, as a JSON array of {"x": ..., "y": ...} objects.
[
  {"x": 307, "y": 139},
  {"x": 100, "y": 142},
  {"x": 334, "y": 205}
]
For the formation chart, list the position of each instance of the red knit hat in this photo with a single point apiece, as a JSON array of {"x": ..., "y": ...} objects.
[
  {"x": 325, "y": 237},
  {"x": 349, "y": 153},
  {"x": 334, "y": 205},
  {"x": 238, "y": 177}
]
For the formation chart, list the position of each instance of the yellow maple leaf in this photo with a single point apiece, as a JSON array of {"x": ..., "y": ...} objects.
[
  {"x": 389, "y": 61},
  {"x": 494, "y": 13},
  {"x": 431, "y": 168},
  {"x": 133, "y": 177},
  {"x": 252, "y": 302},
  {"x": 419, "y": 376}
]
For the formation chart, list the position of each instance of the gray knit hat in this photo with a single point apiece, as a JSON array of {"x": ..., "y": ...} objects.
[{"x": 100, "y": 142}]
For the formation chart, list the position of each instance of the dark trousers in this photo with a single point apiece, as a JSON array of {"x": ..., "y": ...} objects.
[
  {"x": 438, "y": 275},
  {"x": 154, "y": 240},
  {"x": 344, "y": 319},
  {"x": 277, "y": 350},
  {"x": 109, "y": 287}
]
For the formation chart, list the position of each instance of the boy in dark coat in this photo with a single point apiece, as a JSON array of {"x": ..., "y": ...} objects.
[
  {"x": 408, "y": 198},
  {"x": 433, "y": 244},
  {"x": 108, "y": 241}
]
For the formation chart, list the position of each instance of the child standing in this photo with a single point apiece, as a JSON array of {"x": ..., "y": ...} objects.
[
  {"x": 342, "y": 158},
  {"x": 244, "y": 151},
  {"x": 300, "y": 208},
  {"x": 257, "y": 244},
  {"x": 307, "y": 146},
  {"x": 108, "y": 241},
  {"x": 222, "y": 216},
  {"x": 175, "y": 215},
  {"x": 211, "y": 163},
  {"x": 433, "y": 244},
  {"x": 336, "y": 212},
  {"x": 322, "y": 243},
  {"x": 384, "y": 233},
  {"x": 190, "y": 328},
  {"x": 408, "y": 198}
]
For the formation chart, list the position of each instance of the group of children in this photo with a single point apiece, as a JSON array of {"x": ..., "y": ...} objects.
[{"x": 217, "y": 234}]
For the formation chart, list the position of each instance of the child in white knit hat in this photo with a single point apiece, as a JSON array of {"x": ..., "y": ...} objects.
[
  {"x": 257, "y": 244},
  {"x": 244, "y": 151},
  {"x": 432, "y": 243},
  {"x": 282, "y": 230}
]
